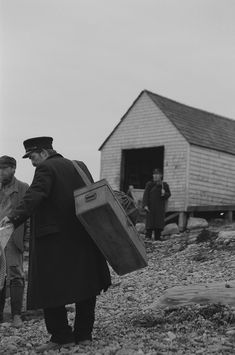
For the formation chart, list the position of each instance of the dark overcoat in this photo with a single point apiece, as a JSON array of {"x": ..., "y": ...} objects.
[
  {"x": 156, "y": 203},
  {"x": 65, "y": 264}
]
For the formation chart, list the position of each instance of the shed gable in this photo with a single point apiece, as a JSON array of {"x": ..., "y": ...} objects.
[
  {"x": 145, "y": 125},
  {"x": 199, "y": 127}
]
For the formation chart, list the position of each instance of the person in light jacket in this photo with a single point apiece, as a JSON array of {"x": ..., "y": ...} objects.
[
  {"x": 65, "y": 264},
  {"x": 12, "y": 191},
  {"x": 155, "y": 195}
]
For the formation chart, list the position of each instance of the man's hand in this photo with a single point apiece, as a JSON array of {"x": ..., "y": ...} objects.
[
  {"x": 146, "y": 208},
  {"x": 5, "y": 221}
]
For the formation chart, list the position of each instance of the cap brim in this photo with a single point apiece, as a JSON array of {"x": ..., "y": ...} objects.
[{"x": 26, "y": 155}]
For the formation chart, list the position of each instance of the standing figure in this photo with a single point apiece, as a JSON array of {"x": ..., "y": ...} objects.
[
  {"x": 11, "y": 193},
  {"x": 65, "y": 265},
  {"x": 155, "y": 195}
]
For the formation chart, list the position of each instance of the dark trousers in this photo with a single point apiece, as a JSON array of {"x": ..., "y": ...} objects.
[
  {"x": 2, "y": 300},
  {"x": 16, "y": 297},
  {"x": 57, "y": 322},
  {"x": 157, "y": 233}
]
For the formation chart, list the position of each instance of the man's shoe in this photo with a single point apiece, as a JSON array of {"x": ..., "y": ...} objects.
[
  {"x": 17, "y": 321},
  {"x": 52, "y": 346},
  {"x": 86, "y": 342}
]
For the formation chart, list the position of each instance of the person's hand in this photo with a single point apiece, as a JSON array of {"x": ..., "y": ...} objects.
[
  {"x": 163, "y": 192},
  {"x": 5, "y": 221},
  {"x": 146, "y": 208}
]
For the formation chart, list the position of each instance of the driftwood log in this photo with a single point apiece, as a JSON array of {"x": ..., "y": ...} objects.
[{"x": 217, "y": 292}]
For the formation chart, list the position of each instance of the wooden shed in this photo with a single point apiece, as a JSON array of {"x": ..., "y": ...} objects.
[{"x": 194, "y": 148}]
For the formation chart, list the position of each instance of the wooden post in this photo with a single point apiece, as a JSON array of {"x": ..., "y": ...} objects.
[
  {"x": 182, "y": 221},
  {"x": 229, "y": 216}
]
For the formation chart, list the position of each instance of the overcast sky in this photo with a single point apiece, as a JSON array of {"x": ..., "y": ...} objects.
[{"x": 70, "y": 69}]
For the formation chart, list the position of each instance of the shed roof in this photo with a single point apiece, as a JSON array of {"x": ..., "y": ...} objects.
[{"x": 199, "y": 127}]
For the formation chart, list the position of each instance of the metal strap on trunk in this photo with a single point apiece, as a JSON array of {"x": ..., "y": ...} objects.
[{"x": 81, "y": 173}]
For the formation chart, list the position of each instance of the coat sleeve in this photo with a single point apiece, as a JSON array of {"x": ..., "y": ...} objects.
[
  {"x": 37, "y": 192},
  {"x": 21, "y": 234},
  {"x": 146, "y": 194},
  {"x": 167, "y": 190},
  {"x": 27, "y": 222}
]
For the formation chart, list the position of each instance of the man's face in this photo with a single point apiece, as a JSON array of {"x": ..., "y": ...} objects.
[
  {"x": 37, "y": 158},
  {"x": 157, "y": 177},
  {"x": 6, "y": 174}
]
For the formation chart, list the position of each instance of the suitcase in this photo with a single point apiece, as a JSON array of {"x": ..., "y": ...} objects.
[{"x": 102, "y": 215}]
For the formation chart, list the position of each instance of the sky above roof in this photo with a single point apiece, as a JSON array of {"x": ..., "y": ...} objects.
[{"x": 70, "y": 69}]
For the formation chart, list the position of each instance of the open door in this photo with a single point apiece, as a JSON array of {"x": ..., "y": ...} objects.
[{"x": 138, "y": 164}]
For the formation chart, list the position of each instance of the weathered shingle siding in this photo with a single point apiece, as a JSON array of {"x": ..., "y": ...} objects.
[
  {"x": 211, "y": 177},
  {"x": 146, "y": 126}
]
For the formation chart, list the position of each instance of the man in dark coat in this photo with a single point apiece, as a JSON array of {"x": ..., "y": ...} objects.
[
  {"x": 155, "y": 195},
  {"x": 65, "y": 264}
]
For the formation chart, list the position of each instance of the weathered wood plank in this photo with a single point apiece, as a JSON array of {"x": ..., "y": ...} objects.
[
  {"x": 171, "y": 216},
  {"x": 212, "y": 175},
  {"x": 217, "y": 292},
  {"x": 211, "y": 208}
]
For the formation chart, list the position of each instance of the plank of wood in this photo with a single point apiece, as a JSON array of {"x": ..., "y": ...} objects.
[
  {"x": 216, "y": 292},
  {"x": 211, "y": 208},
  {"x": 171, "y": 216}
]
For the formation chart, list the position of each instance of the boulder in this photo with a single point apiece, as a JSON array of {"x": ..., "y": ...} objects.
[
  {"x": 196, "y": 223},
  {"x": 226, "y": 237},
  {"x": 170, "y": 229},
  {"x": 140, "y": 228}
]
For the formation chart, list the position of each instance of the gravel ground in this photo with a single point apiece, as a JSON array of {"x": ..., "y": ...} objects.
[{"x": 127, "y": 324}]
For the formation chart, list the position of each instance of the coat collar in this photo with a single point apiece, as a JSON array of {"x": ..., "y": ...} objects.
[{"x": 54, "y": 155}]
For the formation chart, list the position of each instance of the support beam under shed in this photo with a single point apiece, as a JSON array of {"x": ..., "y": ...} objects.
[
  {"x": 182, "y": 221},
  {"x": 229, "y": 216}
]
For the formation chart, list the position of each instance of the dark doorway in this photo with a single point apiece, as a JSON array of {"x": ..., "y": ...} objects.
[{"x": 138, "y": 165}]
